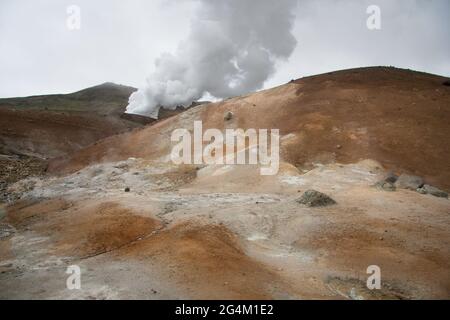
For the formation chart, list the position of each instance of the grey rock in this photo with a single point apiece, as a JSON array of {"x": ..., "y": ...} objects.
[
  {"x": 410, "y": 182},
  {"x": 6, "y": 230},
  {"x": 385, "y": 185},
  {"x": 421, "y": 190},
  {"x": 313, "y": 198},
  {"x": 228, "y": 116},
  {"x": 427, "y": 189},
  {"x": 391, "y": 177}
]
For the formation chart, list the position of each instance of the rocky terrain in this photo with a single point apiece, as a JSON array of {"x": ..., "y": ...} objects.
[{"x": 363, "y": 180}]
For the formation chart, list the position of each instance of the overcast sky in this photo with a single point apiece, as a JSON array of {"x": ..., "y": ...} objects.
[{"x": 119, "y": 40}]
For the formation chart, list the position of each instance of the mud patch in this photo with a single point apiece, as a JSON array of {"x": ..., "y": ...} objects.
[
  {"x": 84, "y": 231},
  {"x": 209, "y": 260}
]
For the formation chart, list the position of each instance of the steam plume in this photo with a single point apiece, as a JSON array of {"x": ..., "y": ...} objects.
[{"x": 231, "y": 50}]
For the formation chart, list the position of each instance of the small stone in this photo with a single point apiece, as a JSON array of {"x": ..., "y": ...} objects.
[
  {"x": 391, "y": 177},
  {"x": 421, "y": 190},
  {"x": 228, "y": 116},
  {"x": 410, "y": 182},
  {"x": 386, "y": 186},
  {"x": 338, "y": 146},
  {"x": 6, "y": 230},
  {"x": 127, "y": 189},
  {"x": 6, "y": 265},
  {"x": 427, "y": 189},
  {"x": 313, "y": 198}
]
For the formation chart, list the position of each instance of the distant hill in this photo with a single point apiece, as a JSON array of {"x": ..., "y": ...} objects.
[
  {"x": 107, "y": 98},
  {"x": 53, "y": 125},
  {"x": 48, "y": 126}
]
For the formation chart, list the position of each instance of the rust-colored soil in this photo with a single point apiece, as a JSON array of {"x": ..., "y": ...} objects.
[
  {"x": 49, "y": 134},
  {"x": 210, "y": 260},
  {"x": 397, "y": 117},
  {"x": 207, "y": 260},
  {"x": 83, "y": 230},
  {"x": 148, "y": 228}
]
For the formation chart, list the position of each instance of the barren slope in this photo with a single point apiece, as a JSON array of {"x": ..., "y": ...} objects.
[
  {"x": 398, "y": 117},
  {"x": 140, "y": 226},
  {"x": 54, "y": 125}
]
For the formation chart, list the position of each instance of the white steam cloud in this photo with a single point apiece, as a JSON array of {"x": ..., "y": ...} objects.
[{"x": 231, "y": 50}]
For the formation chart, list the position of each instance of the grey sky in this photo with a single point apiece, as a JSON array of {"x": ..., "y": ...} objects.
[{"x": 119, "y": 40}]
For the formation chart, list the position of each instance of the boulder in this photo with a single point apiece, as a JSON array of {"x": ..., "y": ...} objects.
[
  {"x": 427, "y": 189},
  {"x": 313, "y": 198},
  {"x": 410, "y": 182}
]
